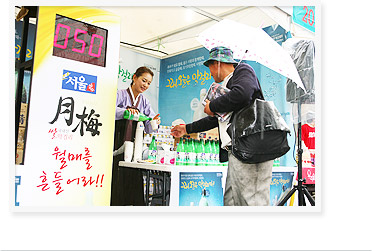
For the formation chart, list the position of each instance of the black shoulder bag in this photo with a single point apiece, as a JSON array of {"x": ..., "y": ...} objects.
[{"x": 258, "y": 132}]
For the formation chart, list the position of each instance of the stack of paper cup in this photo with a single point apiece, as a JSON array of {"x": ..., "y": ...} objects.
[
  {"x": 138, "y": 142},
  {"x": 128, "y": 151}
]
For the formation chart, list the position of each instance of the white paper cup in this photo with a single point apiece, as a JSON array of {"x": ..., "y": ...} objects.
[
  {"x": 128, "y": 151},
  {"x": 178, "y": 122},
  {"x": 154, "y": 124}
]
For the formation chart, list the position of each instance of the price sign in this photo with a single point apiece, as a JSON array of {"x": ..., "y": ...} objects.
[
  {"x": 304, "y": 16},
  {"x": 79, "y": 41}
]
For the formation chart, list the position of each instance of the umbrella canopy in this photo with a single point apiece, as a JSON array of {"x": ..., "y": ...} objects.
[{"x": 253, "y": 44}]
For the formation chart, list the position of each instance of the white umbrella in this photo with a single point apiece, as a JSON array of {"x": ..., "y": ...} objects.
[{"x": 251, "y": 44}]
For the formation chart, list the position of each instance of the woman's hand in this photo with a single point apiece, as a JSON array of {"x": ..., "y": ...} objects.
[
  {"x": 132, "y": 110},
  {"x": 157, "y": 118}
]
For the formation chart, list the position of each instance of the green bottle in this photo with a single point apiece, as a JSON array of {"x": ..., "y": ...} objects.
[
  {"x": 211, "y": 152},
  {"x": 192, "y": 153},
  {"x": 217, "y": 152},
  {"x": 136, "y": 117},
  {"x": 186, "y": 162},
  {"x": 214, "y": 152},
  {"x": 153, "y": 149},
  {"x": 180, "y": 161},
  {"x": 208, "y": 150},
  {"x": 202, "y": 153},
  {"x": 197, "y": 151}
]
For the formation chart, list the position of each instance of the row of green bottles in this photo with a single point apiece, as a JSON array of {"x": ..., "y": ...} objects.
[
  {"x": 137, "y": 117},
  {"x": 192, "y": 152}
]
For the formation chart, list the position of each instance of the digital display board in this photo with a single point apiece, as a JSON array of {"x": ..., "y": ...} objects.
[{"x": 79, "y": 41}]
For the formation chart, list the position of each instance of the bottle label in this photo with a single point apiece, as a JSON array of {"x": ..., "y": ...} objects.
[
  {"x": 136, "y": 116},
  {"x": 152, "y": 154},
  {"x": 200, "y": 158},
  {"x": 215, "y": 158},
  {"x": 211, "y": 158},
  {"x": 203, "y": 157},
  {"x": 192, "y": 158},
  {"x": 180, "y": 158},
  {"x": 187, "y": 158}
]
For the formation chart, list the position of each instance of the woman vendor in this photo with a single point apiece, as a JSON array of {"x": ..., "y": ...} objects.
[{"x": 127, "y": 183}]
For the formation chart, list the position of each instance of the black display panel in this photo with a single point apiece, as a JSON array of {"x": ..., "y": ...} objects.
[{"x": 79, "y": 41}]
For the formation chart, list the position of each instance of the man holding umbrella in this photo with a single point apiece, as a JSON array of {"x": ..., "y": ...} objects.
[{"x": 246, "y": 184}]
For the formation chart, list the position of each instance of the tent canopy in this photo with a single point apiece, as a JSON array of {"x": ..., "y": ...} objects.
[{"x": 168, "y": 31}]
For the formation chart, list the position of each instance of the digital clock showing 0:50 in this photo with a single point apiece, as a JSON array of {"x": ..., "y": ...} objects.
[{"x": 79, "y": 41}]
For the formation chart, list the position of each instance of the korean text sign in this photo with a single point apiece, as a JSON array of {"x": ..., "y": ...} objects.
[{"x": 68, "y": 158}]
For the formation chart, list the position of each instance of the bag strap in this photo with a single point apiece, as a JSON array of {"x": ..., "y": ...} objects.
[
  {"x": 234, "y": 117},
  {"x": 233, "y": 123},
  {"x": 263, "y": 98}
]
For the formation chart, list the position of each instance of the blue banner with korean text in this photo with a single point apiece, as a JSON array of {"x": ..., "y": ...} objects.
[
  {"x": 183, "y": 81},
  {"x": 201, "y": 189},
  {"x": 281, "y": 185}
]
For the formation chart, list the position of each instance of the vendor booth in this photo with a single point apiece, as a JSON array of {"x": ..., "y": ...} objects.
[{"x": 72, "y": 61}]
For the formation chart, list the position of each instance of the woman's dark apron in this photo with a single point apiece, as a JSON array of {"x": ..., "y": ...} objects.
[{"x": 127, "y": 183}]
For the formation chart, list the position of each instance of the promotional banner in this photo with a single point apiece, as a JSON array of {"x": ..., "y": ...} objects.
[
  {"x": 201, "y": 189},
  {"x": 205, "y": 188},
  {"x": 68, "y": 153},
  {"x": 281, "y": 184},
  {"x": 184, "y": 81}
]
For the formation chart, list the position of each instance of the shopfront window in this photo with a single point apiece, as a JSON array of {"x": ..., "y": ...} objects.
[{"x": 23, "y": 72}]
